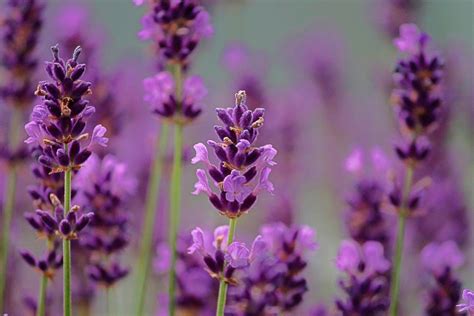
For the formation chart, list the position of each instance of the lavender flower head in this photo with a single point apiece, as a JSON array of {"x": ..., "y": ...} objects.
[
  {"x": 274, "y": 284},
  {"x": 104, "y": 186},
  {"x": 58, "y": 124},
  {"x": 366, "y": 284},
  {"x": 217, "y": 253},
  {"x": 441, "y": 261},
  {"x": 244, "y": 169},
  {"x": 364, "y": 214},
  {"x": 21, "y": 23},
  {"x": 177, "y": 27},
  {"x": 160, "y": 93},
  {"x": 417, "y": 96}
]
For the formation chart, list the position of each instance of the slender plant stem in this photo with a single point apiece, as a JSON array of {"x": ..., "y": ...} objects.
[
  {"x": 67, "y": 306},
  {"x": 150, "y": 215},
  {"x": 222, "y": 297},
  {"x": 10, "y": 193},
  {"x": 42, "y": 296},
  {"x": 175, "y": 191},
  {"x": 397, "y": 262},
  {"x": 175, "y": 209}
]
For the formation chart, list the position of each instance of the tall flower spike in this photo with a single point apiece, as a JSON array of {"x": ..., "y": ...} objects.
[
  {"x": 244, "y": 169},
  {"x": 58, "y": 124}
]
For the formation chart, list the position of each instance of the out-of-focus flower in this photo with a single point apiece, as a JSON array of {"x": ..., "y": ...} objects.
[
  {"x": 160, "y": 94},
  {"x": 104, "y": 187},
  {"x": 176, "y": 27},
  {"x": 366, "y": 284},
  {"x": 391, "y": 14},
  {"x": 243, "y": 171},
  {"x": 441, "y": 261}
]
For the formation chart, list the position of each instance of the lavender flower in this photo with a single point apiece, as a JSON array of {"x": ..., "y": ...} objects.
[
  {"x": 177, "y": 27},
  {"x": 244, "y": 169},
  {"x": 47, "y": 265},
  {"x": 104, "y": 186},
  {"x": 274, "y": 284},
  {"x": 468, "y": 302},
  {"x": 160, "y": 93},
  {"x": 418, "y": 78},
  {"x": 216, "y": 254},
  {"x": 58, "y": 124},
  {"x": 21, "y": 26},
  {"x": 441, "y": 261},
  {"x": 366, "y": 284}
]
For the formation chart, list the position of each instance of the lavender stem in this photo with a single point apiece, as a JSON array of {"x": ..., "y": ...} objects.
[
  {"x": 175, "y": 192},
  {"x": 397, "y": 261},
  {"x": 67, "y": 247},
  {"x": 42, "y": 296},
  {"x": 10, "y": 194},
  {"x": 150, "y": 215},
  {"x": 221, "y": 298}
]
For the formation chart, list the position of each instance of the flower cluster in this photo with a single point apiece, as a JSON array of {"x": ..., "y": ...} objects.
[
  {"x": 417, "y": 96},
  {"x": 441, "y": 261},
  {"x": 274, "y": 285},
  {"x": 221, "y": 259},
  {"x": 366, "y": 284},
  {"x": 160, "y": 93},
  {"x": 177, "y": 27},
  {"x": 104, "y": 186},
  {"x": 21, "y": 24},
  {"x": 57, "y": 125},
  {"x": 244, "y": 169}
]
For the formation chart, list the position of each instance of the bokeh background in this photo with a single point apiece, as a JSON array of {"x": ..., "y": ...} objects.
[{"x": 277, "y": 36}]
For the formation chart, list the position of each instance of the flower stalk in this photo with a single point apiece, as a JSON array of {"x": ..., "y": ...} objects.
[
  {"x": 397, "y": 262},
  {"x": 175, "y": 192},
  {"x": 222, "y": 296},
  {"x": 150, "y": 215},
  {"x": 10, "y": 194},
  {"x": 67, "y": 303}
]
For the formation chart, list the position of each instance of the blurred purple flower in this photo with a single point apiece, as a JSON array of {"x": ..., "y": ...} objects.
[{"x": 436, "y": 258}]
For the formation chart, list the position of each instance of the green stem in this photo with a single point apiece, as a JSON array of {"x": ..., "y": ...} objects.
[
  {"x": 397, "y": 262},
  {"x": 175, "y": 209},
  {"x": 175, "y": 191},
  {"x": 146, "y": 250},
  {"x": 42, "y": 296},
  {"x": 67, "y": 306},
  {"x": 10, "y": 193},
  {"x": 222, "y": 297}
]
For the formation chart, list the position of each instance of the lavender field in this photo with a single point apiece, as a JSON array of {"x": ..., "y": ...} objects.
[{"x": 236, "y": 157}]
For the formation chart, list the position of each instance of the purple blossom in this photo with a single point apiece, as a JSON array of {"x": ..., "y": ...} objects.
[
  {"x": 468, "y": 302},
  {"x": 441, "y": 261},
  {"x": 366, "y": 284},
  {"x": 160, "y": 94},
  {"x": 274, "y": 282},
  {"x": 411, "y": 39},
  {"x": 243, "y": 171},
  {"x": 60, "y": 134},
  {"x": 436, "y": 258},
  {"x": 176, "y": 28},
  {"x": 215, "y": 253}
]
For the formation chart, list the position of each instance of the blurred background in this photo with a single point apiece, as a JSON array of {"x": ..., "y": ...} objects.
[{"x": 321, "y": 68}]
